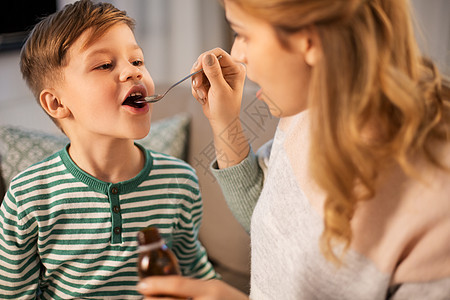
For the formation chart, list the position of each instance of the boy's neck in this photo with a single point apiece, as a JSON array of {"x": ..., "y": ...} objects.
[{"x": 113, "y": 161}]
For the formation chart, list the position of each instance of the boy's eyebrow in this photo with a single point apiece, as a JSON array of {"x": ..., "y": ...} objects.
[
  {"x": 107, "y": 50},
  {"x": 98, "y": 51}
]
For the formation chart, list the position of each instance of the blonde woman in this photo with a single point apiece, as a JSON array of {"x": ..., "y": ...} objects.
[{"x": 351, "y": 199}]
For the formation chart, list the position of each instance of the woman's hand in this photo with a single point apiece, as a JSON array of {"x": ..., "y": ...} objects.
[
  {"x": 178, "y": 287},
  {"x": 219, "y": 87}
]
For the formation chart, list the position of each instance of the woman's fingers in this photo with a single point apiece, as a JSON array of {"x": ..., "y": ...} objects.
[
  {"x": 223, "y": 74},
  {"x": 213, "y": 72},
  {"x": 219, "y": 87},
  {"x": 197, "y": 81},
  {"x": 169, "y": 287},
  {"x": 178, "y": 287},
  {"x": 200, "y": 82},
  {"x": 200, "y": 87}
]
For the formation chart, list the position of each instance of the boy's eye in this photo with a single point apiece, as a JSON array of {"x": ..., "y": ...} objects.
[{"x": 104, "y": 66}]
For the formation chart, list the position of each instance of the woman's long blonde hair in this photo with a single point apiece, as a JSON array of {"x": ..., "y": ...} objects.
[{"x": 374, "y": 99}]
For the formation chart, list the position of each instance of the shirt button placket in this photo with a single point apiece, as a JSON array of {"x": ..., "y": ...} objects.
[{"x": 116, "y": 215}]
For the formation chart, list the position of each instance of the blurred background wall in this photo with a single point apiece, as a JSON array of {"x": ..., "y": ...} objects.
[{"x": 433, "y": 30}]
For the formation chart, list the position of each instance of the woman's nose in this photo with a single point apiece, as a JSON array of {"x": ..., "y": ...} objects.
[
  {"x": 238, "y": 53},
  {"x": 131, "y": 72}
]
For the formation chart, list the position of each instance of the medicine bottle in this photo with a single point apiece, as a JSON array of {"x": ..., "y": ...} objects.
[{"x": 155, "y": 258}]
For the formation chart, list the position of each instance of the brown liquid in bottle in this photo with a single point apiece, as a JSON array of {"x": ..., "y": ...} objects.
[{"x": 155, "y": 258}]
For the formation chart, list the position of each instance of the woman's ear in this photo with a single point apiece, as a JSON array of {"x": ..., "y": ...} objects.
[
  {"x": 307, "y": 42},
  {"x": 52, "y": 105}
]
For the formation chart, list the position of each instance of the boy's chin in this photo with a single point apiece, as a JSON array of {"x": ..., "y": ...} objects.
[{"x": 140, "y": 131}]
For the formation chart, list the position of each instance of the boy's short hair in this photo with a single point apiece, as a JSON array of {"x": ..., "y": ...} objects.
[{"x": 44, "y": 52}]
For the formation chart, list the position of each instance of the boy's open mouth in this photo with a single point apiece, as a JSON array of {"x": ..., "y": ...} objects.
[{"x": 132, "y": 100}]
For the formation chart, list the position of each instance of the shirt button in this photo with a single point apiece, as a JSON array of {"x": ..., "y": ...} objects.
[
  {"x": 116, "y": 209},
  {"x": 117, "y": 230},
  {"x": 114, "y": 190}
]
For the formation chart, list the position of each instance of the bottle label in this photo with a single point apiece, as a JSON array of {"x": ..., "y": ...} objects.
[{"x": 152, "y": 246}]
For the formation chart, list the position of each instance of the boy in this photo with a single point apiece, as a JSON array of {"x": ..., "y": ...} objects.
[{"x": 68, "y": 224}]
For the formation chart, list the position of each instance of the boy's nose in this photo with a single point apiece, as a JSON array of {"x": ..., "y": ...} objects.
[{"x": 130, "y": 72}]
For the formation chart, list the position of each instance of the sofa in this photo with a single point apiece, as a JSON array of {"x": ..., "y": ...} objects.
[{"x": 178, "y": 128}]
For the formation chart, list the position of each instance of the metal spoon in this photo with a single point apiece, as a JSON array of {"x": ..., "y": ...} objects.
[{"x": 157, "y": 97}]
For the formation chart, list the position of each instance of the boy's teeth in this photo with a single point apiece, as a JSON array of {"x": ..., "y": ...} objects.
[{"x": 136, "y": 94}]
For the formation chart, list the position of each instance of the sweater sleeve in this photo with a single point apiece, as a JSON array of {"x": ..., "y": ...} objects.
[
  {"x": 242, "y": 184},
  {"x": 20, "y": 266},
  {"x": 191, "y": 254},
  {"x": 436, "y": 290}
]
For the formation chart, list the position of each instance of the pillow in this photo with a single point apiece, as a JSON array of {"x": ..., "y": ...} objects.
[{"x": 20, "y": 147}]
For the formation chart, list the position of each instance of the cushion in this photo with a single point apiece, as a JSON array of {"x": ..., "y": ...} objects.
[{"x": 21, "y": 147}]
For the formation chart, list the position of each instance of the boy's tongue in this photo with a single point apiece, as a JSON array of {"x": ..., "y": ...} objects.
[{"x": 131, "y": 101}]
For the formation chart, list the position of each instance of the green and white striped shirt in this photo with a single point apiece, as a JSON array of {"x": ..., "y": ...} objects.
[{"x": 69, "y": 235}]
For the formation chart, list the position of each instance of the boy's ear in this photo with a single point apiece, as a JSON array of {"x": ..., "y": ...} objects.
[
  {"x": 307, "y": 42},
  {"x": 52, "y": 105}
]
